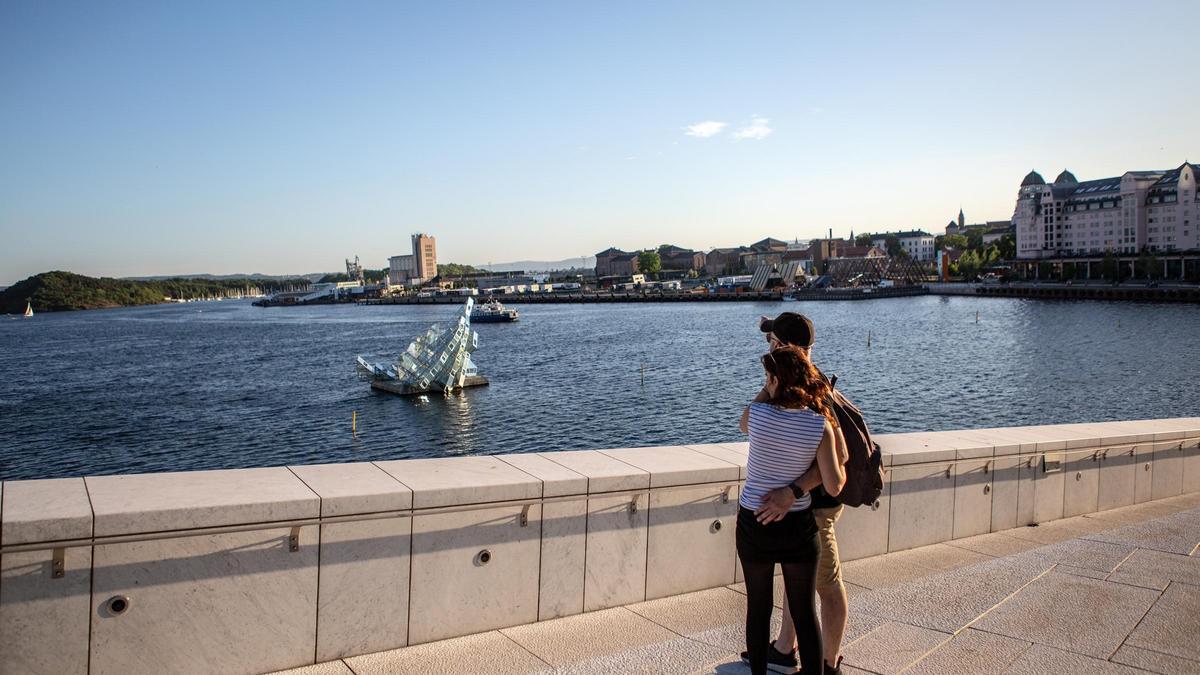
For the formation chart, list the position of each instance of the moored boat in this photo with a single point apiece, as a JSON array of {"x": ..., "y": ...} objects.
[{"x": 493, "y": 312}]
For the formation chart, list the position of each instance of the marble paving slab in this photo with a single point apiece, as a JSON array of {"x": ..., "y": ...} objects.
[
  {"x": 1068, "y": 612},
  {"x": 677, "y": 656},
  {"x": 947, "y": 601},
  {"x": 1172, "y": 624},
  {"x": 995, "y": 544},
  {"x": 1176, "y": 533},
  {"x": 1155, "y": 569},
  {"x": 587, "y": 636},
  {"x": 1100, "y": 556},
  {"x": 892, "y": 647},
  {"x": 971, "y": 652},
  {"x": 491, "y": 653},
  {"x": 1040, "y": 659},
  {"x": 1155, "y": 662}
]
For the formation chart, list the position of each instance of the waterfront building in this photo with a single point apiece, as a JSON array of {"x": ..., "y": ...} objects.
[
  {"x": 417, "y": 267},
  {"x": 724, "y": 261},
  {"x": 850, "y": 251},
  {"x": 801, "y": 256},
  {"x": 768, "y": 251},
  {"x": 1157, "y": 211},
  {"x": 424, "y": 250},
  {"x": 994, "y": 230},
  {"x": 401, "y": 270},
  {"x": 613, "y": 262},
  {"x": 676, "y": 258},
  {"x": 918, "y": 244}
]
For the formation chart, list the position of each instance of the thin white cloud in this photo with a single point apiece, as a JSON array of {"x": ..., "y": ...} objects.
[
  {"x": 759, "y": 129},
  {"x": 705, "y": 129}
]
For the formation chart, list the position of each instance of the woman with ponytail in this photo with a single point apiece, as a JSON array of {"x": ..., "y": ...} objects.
[{"x": 788, "y": 433}]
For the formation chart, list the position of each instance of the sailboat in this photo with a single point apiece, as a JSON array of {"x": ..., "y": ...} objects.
[{"x": 28, "y": 310}]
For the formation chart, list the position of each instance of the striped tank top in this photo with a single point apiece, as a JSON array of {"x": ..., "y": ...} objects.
[{"x": 783, "y": 445}]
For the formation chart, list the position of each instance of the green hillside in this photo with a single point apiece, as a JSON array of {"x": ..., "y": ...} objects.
[{"x": 59, "y": 291}]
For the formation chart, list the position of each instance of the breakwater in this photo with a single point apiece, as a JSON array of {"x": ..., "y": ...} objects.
[{"x": 254, "y": 570}]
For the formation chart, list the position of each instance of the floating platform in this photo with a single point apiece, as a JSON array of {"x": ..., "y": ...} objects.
[{"x": 402, "y": 389}]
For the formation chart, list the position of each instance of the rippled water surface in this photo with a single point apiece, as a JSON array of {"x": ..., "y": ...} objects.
[{"x": 219, "y": 385}]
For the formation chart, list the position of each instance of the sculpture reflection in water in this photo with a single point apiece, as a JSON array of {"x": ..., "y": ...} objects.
[{"x": 438, "y": 360}]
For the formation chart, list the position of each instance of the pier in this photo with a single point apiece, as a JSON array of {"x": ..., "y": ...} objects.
[{"x": 1066, "y": 544}]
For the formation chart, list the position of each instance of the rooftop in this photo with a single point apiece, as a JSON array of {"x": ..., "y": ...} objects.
[
  {"x": 1113, "y": 592},
  {"x": 902, "y": 235}
]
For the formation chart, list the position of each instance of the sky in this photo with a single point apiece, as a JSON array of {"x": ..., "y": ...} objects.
[{"x": 146, "y": 138}]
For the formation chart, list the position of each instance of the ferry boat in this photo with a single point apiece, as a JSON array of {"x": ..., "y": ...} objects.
[{"x": 493, "y": 312}]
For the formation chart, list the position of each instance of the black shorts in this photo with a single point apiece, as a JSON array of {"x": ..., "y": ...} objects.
[{"x": 793, "y": 539}]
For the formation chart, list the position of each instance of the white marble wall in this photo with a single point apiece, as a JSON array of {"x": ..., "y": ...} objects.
[
  {"x": 565, "y": 533},
  {"x": 1118, "y": 476},
  {"x": 229, "y": 603},
  {"x": 43, "y": 618},
  {"x": 456, "y": 588}
]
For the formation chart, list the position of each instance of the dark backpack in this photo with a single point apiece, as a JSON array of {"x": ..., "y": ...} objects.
[{"x": 864, "y": 469}]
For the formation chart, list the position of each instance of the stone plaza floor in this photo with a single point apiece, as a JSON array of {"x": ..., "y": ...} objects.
[{"x": 1111, "y": 592}]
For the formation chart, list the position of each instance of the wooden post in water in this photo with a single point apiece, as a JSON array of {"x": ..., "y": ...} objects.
[
  {"x": 868, "y": 339},
  {"x": 976, "y": 316},
  {"x": 354, "y": 424},
  {"x": 643, "y": 374}
]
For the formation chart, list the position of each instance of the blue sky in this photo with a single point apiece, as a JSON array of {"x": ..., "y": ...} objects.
[{"x": 281, "y": 137}]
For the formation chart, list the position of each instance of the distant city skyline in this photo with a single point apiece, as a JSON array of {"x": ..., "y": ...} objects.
[{"x": 280, "y": 138}]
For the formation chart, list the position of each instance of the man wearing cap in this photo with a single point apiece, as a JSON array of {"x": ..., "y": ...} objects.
[{"x": 796, "y": 329}]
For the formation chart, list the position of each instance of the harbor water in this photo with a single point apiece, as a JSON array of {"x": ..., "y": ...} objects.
[{"x": 228, "y": 385}]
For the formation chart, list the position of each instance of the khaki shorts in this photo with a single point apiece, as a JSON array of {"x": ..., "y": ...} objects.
[{"x": 829, "y": 567}]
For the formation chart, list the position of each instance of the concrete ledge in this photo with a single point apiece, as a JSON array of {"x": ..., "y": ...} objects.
[{"x": 333, "y": 561}]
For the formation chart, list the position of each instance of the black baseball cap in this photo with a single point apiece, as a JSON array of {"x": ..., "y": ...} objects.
[{"x": 791, "y": 328}]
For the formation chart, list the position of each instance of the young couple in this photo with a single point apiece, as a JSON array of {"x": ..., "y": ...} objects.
[{"x": 787, "y": 510}]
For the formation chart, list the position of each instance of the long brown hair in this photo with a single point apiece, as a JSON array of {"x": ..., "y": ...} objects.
[{"x": 800, "y": 384}]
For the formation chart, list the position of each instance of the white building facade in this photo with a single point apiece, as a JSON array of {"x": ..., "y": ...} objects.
[
  {"x": 1158, "y": 211},
  {"x": 918, "y": 244}
]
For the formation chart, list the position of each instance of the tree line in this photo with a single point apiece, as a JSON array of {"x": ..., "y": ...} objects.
[{"x": 58, "y": 291}]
